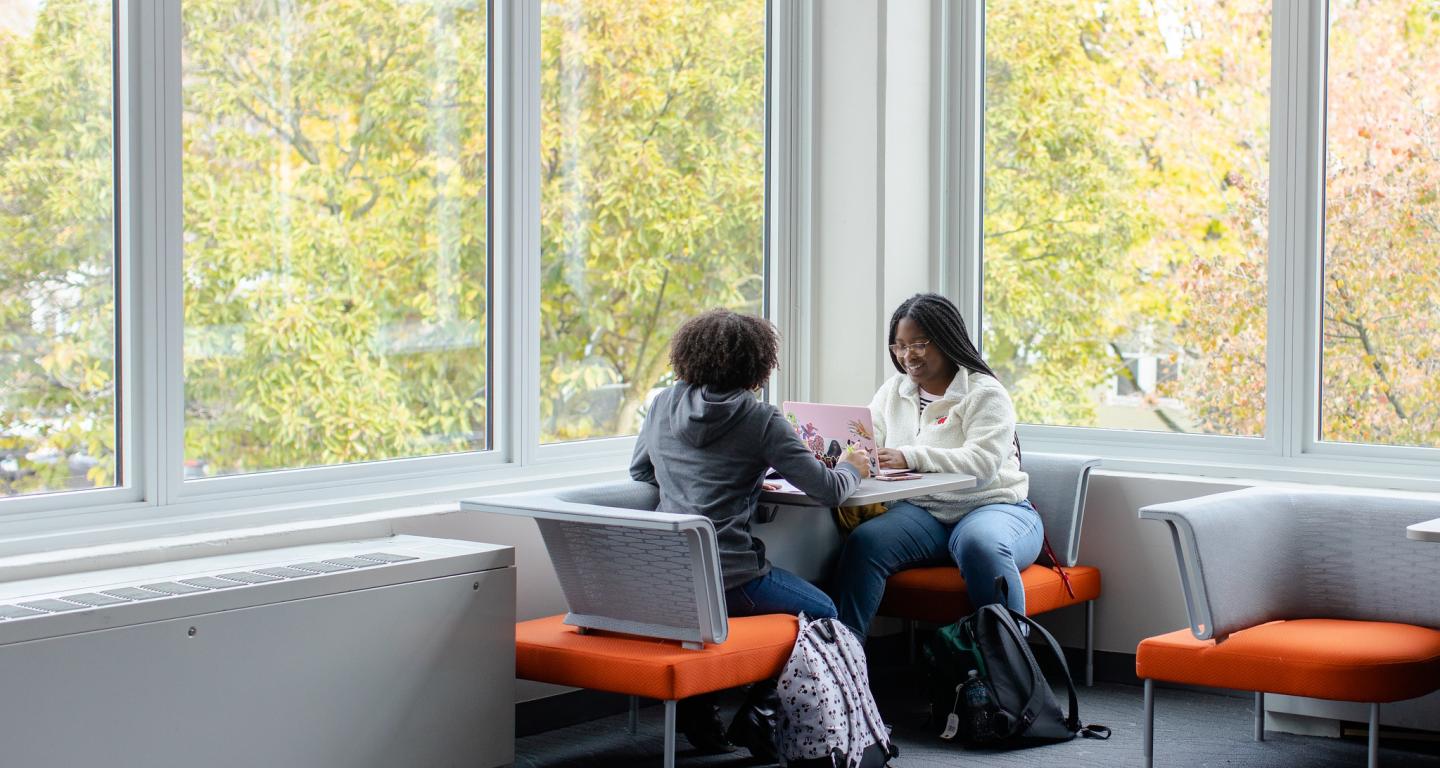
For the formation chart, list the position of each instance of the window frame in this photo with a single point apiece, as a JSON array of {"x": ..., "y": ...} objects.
[
  {"x": 1290, "y": 449},
  {"x": 153, "y": 499}
]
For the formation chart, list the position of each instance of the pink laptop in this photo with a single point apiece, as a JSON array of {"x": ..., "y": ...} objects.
[{"x": 828, "y": 429}]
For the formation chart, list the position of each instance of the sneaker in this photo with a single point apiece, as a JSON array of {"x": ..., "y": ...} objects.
[{"x": 698, "y": 717}]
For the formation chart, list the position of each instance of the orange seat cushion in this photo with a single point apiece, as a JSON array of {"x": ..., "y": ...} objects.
[
  {"x": 549, "y": 651},
  {"x": 938, "y": 593},
  {"x": 1369, "y": 661}
]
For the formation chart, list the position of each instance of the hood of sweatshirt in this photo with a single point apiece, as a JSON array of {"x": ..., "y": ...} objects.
[{"x": 700, "y": 416}]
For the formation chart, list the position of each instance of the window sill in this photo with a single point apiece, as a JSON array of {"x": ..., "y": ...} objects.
[
  {"x": 42, "y": 544},
  {"x": 141, "y": 533},
  {"x": 1250, "y": 469}
]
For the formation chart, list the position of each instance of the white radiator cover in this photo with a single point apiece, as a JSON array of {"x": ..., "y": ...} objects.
[{"x": 405, "y": 663}]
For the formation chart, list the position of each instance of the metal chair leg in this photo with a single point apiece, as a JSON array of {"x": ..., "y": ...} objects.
[
  {"x": 1259, "y": 715},
  {"x": 1149, "y": 727},
  {"x": 670, "y": 733},
  {"x": 1089, "y": 643},
  {"x": 1373, "y": 759},
  {"x": 634, "y": 715}
]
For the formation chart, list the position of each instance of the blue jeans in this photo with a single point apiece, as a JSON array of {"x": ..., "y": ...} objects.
[
  {"x": 990, "y": 541},
  {"x": 779, "y": 591}
]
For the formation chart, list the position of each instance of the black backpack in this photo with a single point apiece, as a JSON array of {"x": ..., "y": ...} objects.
[{"x": 1006, "y": 701}]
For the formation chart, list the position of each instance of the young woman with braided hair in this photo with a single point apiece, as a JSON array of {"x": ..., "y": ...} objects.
[{"x": 943, "y": 412}]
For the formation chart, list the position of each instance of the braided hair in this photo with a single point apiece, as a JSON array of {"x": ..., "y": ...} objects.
[{"x": 946, "y": 330}]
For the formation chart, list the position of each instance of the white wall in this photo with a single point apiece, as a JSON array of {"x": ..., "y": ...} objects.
[
  {"x": 847, "y": 208},
  {"x": 909, "y": 236},
  {"x": 872, "y": 197}
]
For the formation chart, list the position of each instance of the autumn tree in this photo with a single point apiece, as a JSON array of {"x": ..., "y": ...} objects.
[
  {"x": 652, "y": 193},
  {"x": 1125, "y": 209},
  {"x": 1380, "y": 375},
  {"x": 335, "y": 216}
]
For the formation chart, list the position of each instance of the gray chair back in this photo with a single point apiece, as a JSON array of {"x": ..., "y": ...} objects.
[
  {"x": 1263, "y": 554},
  {"x": 624, "y": 567},
  {"x": 1058, "y": 483}
]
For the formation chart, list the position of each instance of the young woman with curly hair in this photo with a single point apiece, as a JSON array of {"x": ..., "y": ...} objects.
[{"x": 706, "y": 443}]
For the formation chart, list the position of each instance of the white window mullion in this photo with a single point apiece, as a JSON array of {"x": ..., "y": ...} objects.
[
  {"x": 167, "y": 254},
  {"x": 962, "y": 116},
  {"x": 790, "y": 159},
  {"x": 517, "y": 223},
  {"x": 1284, "y": 407},
  {"x": 1308, "y": 289},
  {"x": 135, "y": 320}
]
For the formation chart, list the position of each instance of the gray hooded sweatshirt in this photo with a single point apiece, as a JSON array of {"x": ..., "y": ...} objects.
[{"x": 707, "y": 451}]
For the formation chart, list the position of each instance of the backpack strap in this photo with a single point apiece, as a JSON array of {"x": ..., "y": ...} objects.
[
  {"x": 1072, "y": 720},
  {"x": 1055, "y": 563},
  {"x": 965, "y": 640},
  {"x": 1038, "y": 683},
  {"x": 876, "y": 729}
]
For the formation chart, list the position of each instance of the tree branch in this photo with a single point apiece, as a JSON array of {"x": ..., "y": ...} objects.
[
  {"x": 650, "y": 326},
  {"x": 1028, "y": 226},
  {"x": 1362, "y": 334}
]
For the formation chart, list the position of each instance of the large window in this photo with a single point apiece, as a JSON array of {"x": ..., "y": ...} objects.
[
  {"x": 268, "y": 258},
  {"x": 335, "y": 259},
  {"x": 1380, "y": 341},
  {"x": 59, "y": 425},
  {"x": 1125, "y": 220},
  {"x": 652, "y": 194}
]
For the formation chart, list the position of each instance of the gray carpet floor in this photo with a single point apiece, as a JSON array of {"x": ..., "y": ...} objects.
[{"x": 1194, "y": 729}]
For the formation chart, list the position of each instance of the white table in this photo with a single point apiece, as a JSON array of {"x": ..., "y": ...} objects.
[
  {"x": 1426, "y": 531},
  {"x": 872, "y": 491}
]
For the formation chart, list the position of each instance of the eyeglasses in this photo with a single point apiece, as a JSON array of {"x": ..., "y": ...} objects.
[{"x": 917, "y": 347}]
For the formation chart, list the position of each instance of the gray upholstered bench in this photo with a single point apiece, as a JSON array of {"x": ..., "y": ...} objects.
[{"x": 1307, "y": 593}]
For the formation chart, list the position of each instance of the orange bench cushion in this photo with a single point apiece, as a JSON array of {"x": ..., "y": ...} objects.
[
  {"x": 1369, "y": 661},
  {"x": 938, "y": 593},
  {"x": 549, "y": 651}
]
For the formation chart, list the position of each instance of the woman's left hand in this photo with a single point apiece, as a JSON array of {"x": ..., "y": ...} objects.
[
  {"x": 769, "y": 487},
  {"x": 892, "y": 459}
]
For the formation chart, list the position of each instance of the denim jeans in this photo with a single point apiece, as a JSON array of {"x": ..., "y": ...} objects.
[
  {"x": 990, "y": 541},
  {"x": 779, "y": 591}
]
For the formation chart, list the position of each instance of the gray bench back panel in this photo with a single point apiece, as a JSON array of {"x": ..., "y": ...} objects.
[
  {"x": 634, "y": 580},
  {"x": 1058, "y": 483},
  {"x": 623, "y": 566},
  {"x": 1262, "y": 554}
]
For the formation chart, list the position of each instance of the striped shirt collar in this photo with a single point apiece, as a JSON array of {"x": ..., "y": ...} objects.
[{"x": 959, "y": 386}]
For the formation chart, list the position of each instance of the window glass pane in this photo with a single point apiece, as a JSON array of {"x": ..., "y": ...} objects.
[
  {"x": 1125, "y": 216},
  {"x": 652, "y": 196},
  {"x": 1380, "y": 373},
  {"x": 335, "y": 231},
  {"x": 58, "y": 426}
]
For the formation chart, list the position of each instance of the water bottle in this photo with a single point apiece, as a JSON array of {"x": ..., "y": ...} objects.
[{"x": 977, "y": 706}]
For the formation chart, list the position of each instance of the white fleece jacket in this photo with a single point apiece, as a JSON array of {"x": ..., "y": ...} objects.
[{"x": 971, "y": 429}]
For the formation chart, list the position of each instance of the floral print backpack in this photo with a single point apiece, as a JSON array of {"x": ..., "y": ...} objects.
[{"x": 828, "y": 716}]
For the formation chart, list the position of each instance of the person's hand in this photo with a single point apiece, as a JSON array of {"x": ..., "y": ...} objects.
[
  {"x": 769, "y": 486},
  {"x": 858, "y": 458},
  {"x": 892, "y": 459}
]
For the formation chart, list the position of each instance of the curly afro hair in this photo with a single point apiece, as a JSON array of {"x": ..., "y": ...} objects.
[{"x": 725, "y": 350}]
